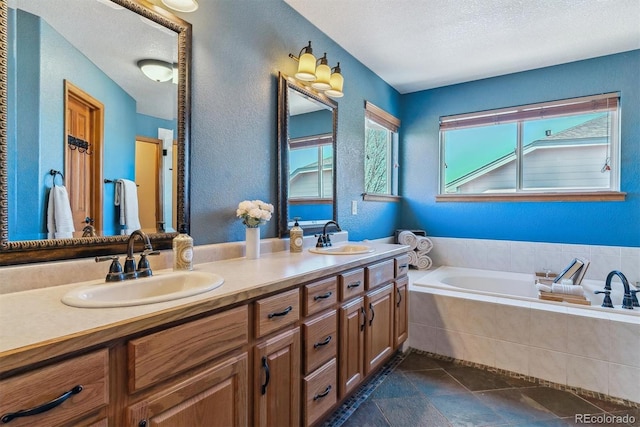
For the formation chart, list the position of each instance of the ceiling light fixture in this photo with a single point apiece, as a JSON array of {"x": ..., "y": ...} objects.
[
  {"x": 318, "y": 73},
  {"x": 156, "y": 70},
  {"x": 181, "y": 5}
]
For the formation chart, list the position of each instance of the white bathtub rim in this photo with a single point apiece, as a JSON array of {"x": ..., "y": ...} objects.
[{"x": 430, "y": 282}]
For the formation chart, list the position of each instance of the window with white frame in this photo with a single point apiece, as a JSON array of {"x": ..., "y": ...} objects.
[
  {"x": 570, "y": 145},
  {"x": 380, "y": 152}
]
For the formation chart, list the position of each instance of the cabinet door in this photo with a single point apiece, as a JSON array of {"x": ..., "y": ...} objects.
[
  {"x": 379, "y": 330},
  {"x": 351, "y": 351},
  {"x": 277, "y": 380},
  {"x": 216, "y": 397},
  {"x": 401, "y": 321}
]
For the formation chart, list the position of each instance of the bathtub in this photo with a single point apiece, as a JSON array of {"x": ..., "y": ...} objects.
[{"x": 495, "y": 319}]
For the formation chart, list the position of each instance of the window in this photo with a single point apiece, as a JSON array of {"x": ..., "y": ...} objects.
[
  {"x": 567, "y": 146},
  {"x": 380, "y": 154},
  {"x": 311, "y": 166}
]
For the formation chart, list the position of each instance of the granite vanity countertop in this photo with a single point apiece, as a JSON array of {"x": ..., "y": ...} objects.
[{"x": 35, "y": 325}]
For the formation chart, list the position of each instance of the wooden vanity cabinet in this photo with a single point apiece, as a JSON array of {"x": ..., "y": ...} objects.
[
  {"x": 379, "y": 344},
  {"x": 194, "y": 374},
  {"x": 80, "y": 384},
  {"x": 351, "y": 354},
  {"x": 276, "y": 384},
  {"x": 215, "y": 397},
  {"x": 401, "y": 311}
]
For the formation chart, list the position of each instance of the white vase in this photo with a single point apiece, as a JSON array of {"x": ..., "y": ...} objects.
[{"x": 252, "y": 241}]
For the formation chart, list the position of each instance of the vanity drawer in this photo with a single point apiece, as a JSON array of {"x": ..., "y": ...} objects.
[
  {"x": 351, "y": 284},
  {"x": 43, "y": 385},
  {"x": 402, "y": 265},
  {"x": 162, "y": 355},
  {"x": 320, "y": 340},
  {"x": 277, "y": 312},
  {"x": 320, "y": 295},
  {"x": 380, "y": 273},
  {"x": 319, "y": 391}
]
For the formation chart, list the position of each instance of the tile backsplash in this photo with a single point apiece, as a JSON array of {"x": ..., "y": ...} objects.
[{"x": 528, "y": 257}]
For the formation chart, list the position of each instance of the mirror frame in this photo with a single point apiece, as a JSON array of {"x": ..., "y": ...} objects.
[
  {"x": 284, "y": 84},
  {"x": 29, "y": 251}
]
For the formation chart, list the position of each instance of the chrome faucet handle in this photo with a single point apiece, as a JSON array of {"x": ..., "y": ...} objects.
[
  {"x": 606, "y": 302},
  {"x": 115, "y": 273}
]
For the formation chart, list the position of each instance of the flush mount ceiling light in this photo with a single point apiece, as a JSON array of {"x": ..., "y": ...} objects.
[
  {"x": 156, "y": 70},
  {"x": 318, "y": 73},
  {"x": 181, "y": 5}
]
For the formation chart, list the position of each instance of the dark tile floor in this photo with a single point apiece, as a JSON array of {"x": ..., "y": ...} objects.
[{"x": 420, "y": 391}]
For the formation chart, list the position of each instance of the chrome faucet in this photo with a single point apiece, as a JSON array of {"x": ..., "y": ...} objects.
[
  {"x": 130, "y": 271},
  {"x": 324, "y": 240},
  {"x": 627, "y": 300}
]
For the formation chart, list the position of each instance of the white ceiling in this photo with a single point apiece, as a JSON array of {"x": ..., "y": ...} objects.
[{"x": 421, "y": 44}]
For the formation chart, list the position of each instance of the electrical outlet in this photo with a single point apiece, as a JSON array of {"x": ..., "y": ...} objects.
[{"x": 354, "y": 207}]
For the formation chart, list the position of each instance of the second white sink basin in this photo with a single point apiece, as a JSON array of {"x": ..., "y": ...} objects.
[
  {"x": 343, "y": 249},
  {"x": 147, "y": 290}
]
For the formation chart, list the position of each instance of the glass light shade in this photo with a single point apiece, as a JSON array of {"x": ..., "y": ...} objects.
[
  {"x": 181, "y": 5},
  {"x": 156, "y": 70},
  {"x": 306, "y": 68},
  {"x": 323, "y": 75},
  {"x": 337, "y": 82}
]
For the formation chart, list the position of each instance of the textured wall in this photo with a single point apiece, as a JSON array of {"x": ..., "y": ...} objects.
[
  {"x": 597, "y": 223},
  {"x": 238, "y": 48}
]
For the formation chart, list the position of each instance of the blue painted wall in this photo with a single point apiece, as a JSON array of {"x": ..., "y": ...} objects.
[
  {"x": 238, "y": 50},
  {"x": 148, "y": 125},
  {"x": 597, "y": 223}
]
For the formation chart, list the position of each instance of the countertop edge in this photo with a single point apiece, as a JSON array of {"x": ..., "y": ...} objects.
[{"x": 16, "y": 358}]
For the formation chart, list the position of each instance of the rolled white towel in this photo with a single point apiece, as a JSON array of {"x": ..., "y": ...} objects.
[
  {"x": 542, "y": 287},
  {"x": 408, "y": 238},
  {"x": 558, "y": 288},
  {"x": 424, "y": 262},
  {"x": 413, "y": 258},
  {"x": 424, "y": 244}
]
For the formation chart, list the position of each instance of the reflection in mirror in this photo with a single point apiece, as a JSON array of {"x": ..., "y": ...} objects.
[
  {"x": 78, "y": 104},
  {"x": 307, "y": 141}
]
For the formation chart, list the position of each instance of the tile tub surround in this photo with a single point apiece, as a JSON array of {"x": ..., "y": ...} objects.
[
  {"x": 42, "y": 275},
  {"x": 552, "y": 342},
  {"x": 528, "y": 257}
]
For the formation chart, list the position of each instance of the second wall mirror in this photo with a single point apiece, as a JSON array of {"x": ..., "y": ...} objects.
[{"x": 307, "y": 130}]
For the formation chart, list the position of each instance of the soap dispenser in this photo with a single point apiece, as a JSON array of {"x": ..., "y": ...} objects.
[
  {"x": 296, "y": 239},
  {"x": 183, "y": 251}
]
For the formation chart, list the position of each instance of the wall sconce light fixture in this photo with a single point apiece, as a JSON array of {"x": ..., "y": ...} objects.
[
  {"x": 157, "y": 70},
  {"x": 318, "y": 73},
  {"x": 181, "y": 5}
]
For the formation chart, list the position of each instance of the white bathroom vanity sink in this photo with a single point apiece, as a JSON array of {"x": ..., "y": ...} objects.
[
  {"x": 147, "y": 290},
  {"x": 343, "y": 249}
]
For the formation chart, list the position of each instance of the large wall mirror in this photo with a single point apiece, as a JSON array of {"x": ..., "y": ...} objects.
[
  {"x": 307, "y": 130},
  {"x": 78, "y": 112}
]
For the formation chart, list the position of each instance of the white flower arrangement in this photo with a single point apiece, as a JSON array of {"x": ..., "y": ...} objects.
[{"x": 254, "y": 212}]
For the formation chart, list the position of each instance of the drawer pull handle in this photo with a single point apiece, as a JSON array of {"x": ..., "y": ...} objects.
[
  {"x": 399, "y": 297},
  {"x": 364, "y": 318},
  {"x": 267, "y": 375},
  {"x": 354, "y": 284},
  {"x": 42, "y": 408},
  {"x": 373, "y": 314},
  {"x": 324, "y": 296},
  {"x": 323, "y": 343},
  {"x": 323, "y": 394},
  {"x": 281, "y": 313}
]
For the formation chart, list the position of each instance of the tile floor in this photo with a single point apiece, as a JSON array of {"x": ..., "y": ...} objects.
[{"x": 416, "y": 390}]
